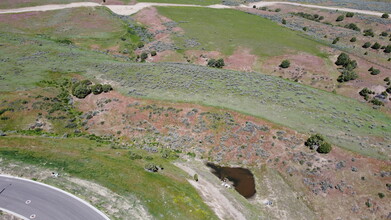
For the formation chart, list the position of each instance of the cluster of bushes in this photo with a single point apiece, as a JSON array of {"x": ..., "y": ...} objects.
[
  {"x": 144, "y": 55},
  {"x": 365, "y": 92},
  {"x": 83, "y": 88},
  {"x": 352, "y": 26},
  {"x": 348, "y": 65},
  {"x": 369, "y": 32},
  {"x": 314, "y": 17},
  {"x": 318, "y": 143},
  {"x": 219, "y": 63},
  {"x": 374, "y": 71},
  {"x": 385, "y": 15},
  {"x": 335, "y": 40}
]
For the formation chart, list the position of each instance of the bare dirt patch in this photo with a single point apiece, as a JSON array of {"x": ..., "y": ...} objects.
[
  {"x": 241, "y": 60},
  {"x": 304, "y": 68}
]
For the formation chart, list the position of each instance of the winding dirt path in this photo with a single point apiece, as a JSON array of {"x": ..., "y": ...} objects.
[{"x": 132, "y": 9}]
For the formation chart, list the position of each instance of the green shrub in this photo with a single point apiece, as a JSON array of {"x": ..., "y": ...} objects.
[
  {"x": 134, "y": 156},
  {"x": 352, "y": 26},
  {"x": 153, "y": 53},
  {"x": 140, "y": 45},
  {"x": 283, "y": 21},
  {"x": 343, "y": 60},
  {"x": 81, "y": 89},
  {"x": 143, "y": 56},
  {"x": 388, "y": 90},
  {"x": 375, "y": 72},
  {"x": 340, "y": 18},
  {"x": 97, "y": 89},
  {"x": 347, "y": 75},
  {"x": 349, "y": 14},
  {"x": 385, "y": 15},
  {"x": 64, "y": 41},
  {"x": 219, "y": 63},
  {"x": 305, "y": 28},
  {"x": 387, "y": 49},
  {"x": 369, "y": 32},
  {"x": 377, "y": 102},
  {"x": 106, "y": 88},
  {"x": 376, "y": 46},
  {"x": 318, "y": 143},
  {"x": 195, "y": 177},
  {"x": 366, "y": 45},
  {"x": 384, "y": 34},
  {"x": 285, "y": 64},
  {"x": 324, "y": 148},
  {"x": 353, "y": 39},
  {"x": 381, "y": 195},
  {"x": 278, "y": 10},
  {"x": 335, "y": 40},
  {"x": 365, "y": 92}
]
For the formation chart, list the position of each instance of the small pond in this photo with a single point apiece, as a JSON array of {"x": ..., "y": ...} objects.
[{"x": 243, "y": 179}]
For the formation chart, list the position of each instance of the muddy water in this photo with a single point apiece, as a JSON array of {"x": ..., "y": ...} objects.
[{"x": 242, "y": 178}]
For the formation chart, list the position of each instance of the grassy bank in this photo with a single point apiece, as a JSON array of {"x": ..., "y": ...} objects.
[
  {"x": 226, "y": 30},
  {"x": 167, "y": 195}
]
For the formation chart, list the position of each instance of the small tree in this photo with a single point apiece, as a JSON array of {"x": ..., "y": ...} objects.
[
  {"x": 318, "y": 143},
  {"x": 324, "y": 148},
  {"x": 285, "y": 64},
  {"x": 349, "y": 14},
  {"x": 375, "y": 72},
  {"x": 283, "y": 21},
  {"x": 376, "y": 46},
  {"x": 369, "y": 32},
  {"x": 340, "y": 18},
  {"x": 384, "y": 34},
  {"x": 385, "y": 15},
  {"x": 143, "y": 56},
  {"x": 305, "y": 28},
  {"x": 153, "y": 53},
  {"x": 387, "y": 49},
  {"x": 107, "y": 88},
  {"x": 335, "y": 40},
  {"x": 97, "y": 89},
  {"x": 353, "y": 39},
  {"x": 366, "y": 45},
  {"x": 342, "y": 60},
  {"x": 216, "y": 63},
  {"x": 195, "y": 177}
]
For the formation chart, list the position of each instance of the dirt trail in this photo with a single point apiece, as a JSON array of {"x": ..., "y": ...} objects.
[
  {"x": 210, "y": 192},
  {"x": 132, "y": 9}
]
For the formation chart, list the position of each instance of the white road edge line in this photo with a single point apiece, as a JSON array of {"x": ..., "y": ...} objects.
[
  {"x": 60, "y": 190},
  {"x": 13, "y": 213}
]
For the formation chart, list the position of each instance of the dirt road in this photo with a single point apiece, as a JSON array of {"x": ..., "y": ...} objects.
[{"x": 132, "y": 9}]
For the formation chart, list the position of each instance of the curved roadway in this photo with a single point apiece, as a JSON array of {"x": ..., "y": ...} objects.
[
  {"x": 132, "y": 9},
  {"x": 33, "y": 200}
]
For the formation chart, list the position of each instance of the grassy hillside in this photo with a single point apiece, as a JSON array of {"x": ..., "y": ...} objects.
[
  {"x": 95, "y": 28},
  {"x": 346, "y": 122},
  {"x": 226, "y": 30}
]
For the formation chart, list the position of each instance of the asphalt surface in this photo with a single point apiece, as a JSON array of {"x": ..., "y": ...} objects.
[{"x": 42, "y": 202}]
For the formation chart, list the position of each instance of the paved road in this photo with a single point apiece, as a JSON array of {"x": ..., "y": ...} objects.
[
  {"x": 33, "y": 200},
  {"x": 132, "y": 9}
]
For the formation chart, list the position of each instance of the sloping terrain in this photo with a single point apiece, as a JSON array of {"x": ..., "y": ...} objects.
[{"x": 145, "y": 141}]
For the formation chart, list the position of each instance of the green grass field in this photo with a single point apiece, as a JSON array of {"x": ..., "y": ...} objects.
[
  {"x": 226, "y": 30},
  {"x": 346, "y": 122},
  {"x": 167, "y": 194},
  {"x": 96, "y": 28}
]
